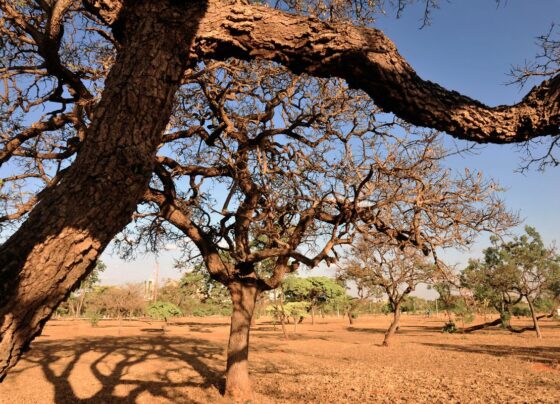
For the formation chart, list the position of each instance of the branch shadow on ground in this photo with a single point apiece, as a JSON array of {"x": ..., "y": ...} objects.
[
  {"x": 112, "y": 362},
  {"x": 543, "y": 354}
]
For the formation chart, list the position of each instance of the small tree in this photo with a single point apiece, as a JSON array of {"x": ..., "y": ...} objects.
[
  {"x": 163, "y": 310},
  {"x": 492, "y": 284},
  {"x": 524, "y": 267},
  {"x": 314, "y": 291},
  {"x": 535, "y": 265},
  {"x": 88, "y": 284},
  {"x": 397, "y": 271}
]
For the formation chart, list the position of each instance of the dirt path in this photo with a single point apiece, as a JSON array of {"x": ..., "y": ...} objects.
[{"x": 326, "y": 363}]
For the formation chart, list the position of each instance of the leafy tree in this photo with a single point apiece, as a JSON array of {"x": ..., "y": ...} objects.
[
  {"x": 88, "y": 284},
  {"x": 314, "y": 291},
  {"x": 493, "y": 285},
  {"x": 523, "y": 267},
  {"x": 297, "y": 311},
  {"x": 163, "y": 310}
]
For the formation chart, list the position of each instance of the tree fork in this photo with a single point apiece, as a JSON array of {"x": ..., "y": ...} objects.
[{"x": 59, "y": 243}]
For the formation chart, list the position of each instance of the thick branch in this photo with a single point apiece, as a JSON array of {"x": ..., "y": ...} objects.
[{"x": 368, "y": 60}]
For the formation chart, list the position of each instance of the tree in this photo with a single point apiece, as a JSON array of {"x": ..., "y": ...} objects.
[
  {"x": 315, "y": 291},
  {"x": 118, "y": 302},
  {"x": 163, "y": 310},
  {"x": 523, "y": 266},
  {"x": 396, "y": 270},
  {"x": 90, "y": 97},
  {"x": 87, "y": 285},
  {"x": 492, "y": 284}
]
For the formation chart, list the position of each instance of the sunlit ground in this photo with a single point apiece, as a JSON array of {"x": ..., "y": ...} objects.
[{"x": 138, "y": 362}]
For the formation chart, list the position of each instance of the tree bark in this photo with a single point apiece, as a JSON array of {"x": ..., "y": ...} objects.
[
  {"x": 394, "y": 324},
  {"x": 370, "y": 61},
  {"x": 243, "y": 296},
  {"x": 534, "y": 316},
  {"x": 59, "y": 243}
]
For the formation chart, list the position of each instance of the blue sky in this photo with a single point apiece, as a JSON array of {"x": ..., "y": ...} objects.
[{"x": 469, "y": 47}]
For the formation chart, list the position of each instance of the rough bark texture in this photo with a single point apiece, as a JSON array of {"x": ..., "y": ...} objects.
[
  {"x": 59, "y": 243},
  {"x": 368, "y": 60},
  {"x": 244, "y": 294},
  {"x": 393, "y": 327}
]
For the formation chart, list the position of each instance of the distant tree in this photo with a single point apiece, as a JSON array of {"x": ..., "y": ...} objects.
[
  {"x": 494, "y": 285},
  {"x": 314, "y": 291},
  {"x": 88, "y": 284},
  {"x": 118, "y": 302},
  {"x": 297, "y": 311},
  {"x": 163, "y": 310},
  {"x": 396, "y": 270},
  {"x": 523, "y": 267},
  {"x": 454, "y": 303}
]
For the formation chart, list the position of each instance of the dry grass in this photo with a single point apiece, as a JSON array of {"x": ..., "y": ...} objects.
[{"x": 326, "y": 363}]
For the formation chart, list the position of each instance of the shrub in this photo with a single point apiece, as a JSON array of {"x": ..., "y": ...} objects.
[
  {"x": 521, "y": 311},
  {"x": 94, "y": 318},
  {"x": 449, "y": 327}
]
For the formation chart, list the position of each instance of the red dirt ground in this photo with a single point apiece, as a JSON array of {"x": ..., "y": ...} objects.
[{"x": 330, "y": 362}]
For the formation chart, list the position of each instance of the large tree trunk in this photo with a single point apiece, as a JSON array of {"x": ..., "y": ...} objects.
[
  {"x": 59, "y": 243},
  {"x": 393, "y": 327},
  {"x": 243, "y": 297},
  {"x": 534, "y": 316}
]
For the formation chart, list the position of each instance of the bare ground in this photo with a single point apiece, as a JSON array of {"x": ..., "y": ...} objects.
[{"x": 330, "y": 362}]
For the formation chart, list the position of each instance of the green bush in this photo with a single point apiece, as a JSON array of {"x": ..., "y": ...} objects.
[
  {"x": 94, "y": 318},
  {"x": 163, "y": 310},
  {"x": 521, "y": 311},
  {"x": 449, "y": 327}
]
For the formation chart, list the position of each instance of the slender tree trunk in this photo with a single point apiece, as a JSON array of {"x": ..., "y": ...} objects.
[
  {"x": 59, "y": 243},
  {"x": 534, "y": 316},
  {"x": 350, "y": 318},
  {"x": 312, "y": 315},
  {"x": 80, "y": 303},
  {"x": 283, "y": 315},
  {"x": 394, "y": 324},
  {"x": 243, "y": 297}
]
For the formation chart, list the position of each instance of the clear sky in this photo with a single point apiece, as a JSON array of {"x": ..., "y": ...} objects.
[{"x": 469, "y": 47}]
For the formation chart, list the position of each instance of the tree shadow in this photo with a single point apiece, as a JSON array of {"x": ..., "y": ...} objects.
[
  {"x": 402, "y": 330},
  {"x": 200, "y": 326},
  {"x": 543, "y": 354},
  {"x": 114, "y": 358}
]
